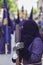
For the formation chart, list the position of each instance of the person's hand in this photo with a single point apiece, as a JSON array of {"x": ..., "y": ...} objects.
[{"x": 18, "y": 45}]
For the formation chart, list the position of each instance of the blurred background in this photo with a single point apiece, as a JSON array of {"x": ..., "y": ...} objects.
[{"x": 24, "y": 7}]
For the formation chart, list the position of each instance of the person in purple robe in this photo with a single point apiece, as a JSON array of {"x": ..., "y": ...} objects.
[
  {"x": 33, "y": 45},
  {"x": 32, "y": 51}
]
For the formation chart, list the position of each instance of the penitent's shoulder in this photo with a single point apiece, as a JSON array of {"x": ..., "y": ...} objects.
[
  {"x": 37, "y": 44},
  {"x": 38, "y": 39}
]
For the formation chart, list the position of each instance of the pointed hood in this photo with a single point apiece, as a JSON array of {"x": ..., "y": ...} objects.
[
  {"x": 17, "y": 20},
  {"x": 31, "y": 14},
  {"x": 22, "y": 9},
  {"x": 5, "y": 9},
  {"x": 5, "y": 4}
]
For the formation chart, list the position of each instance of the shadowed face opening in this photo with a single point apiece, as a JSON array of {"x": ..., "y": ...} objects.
[{"x": 29, "y": 32}]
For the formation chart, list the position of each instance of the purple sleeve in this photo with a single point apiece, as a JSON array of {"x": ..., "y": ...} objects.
[{"x": 36, "y": 50}]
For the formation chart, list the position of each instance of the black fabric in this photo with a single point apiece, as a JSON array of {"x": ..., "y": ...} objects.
[
  {"x": 29, "y": 32},
  {"x": 24, "y": 53}
]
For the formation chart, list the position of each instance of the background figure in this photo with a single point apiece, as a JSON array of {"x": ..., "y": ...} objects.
[
  {"x": 32, "y": 51},
  {"x": 2, "y": 41}
]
